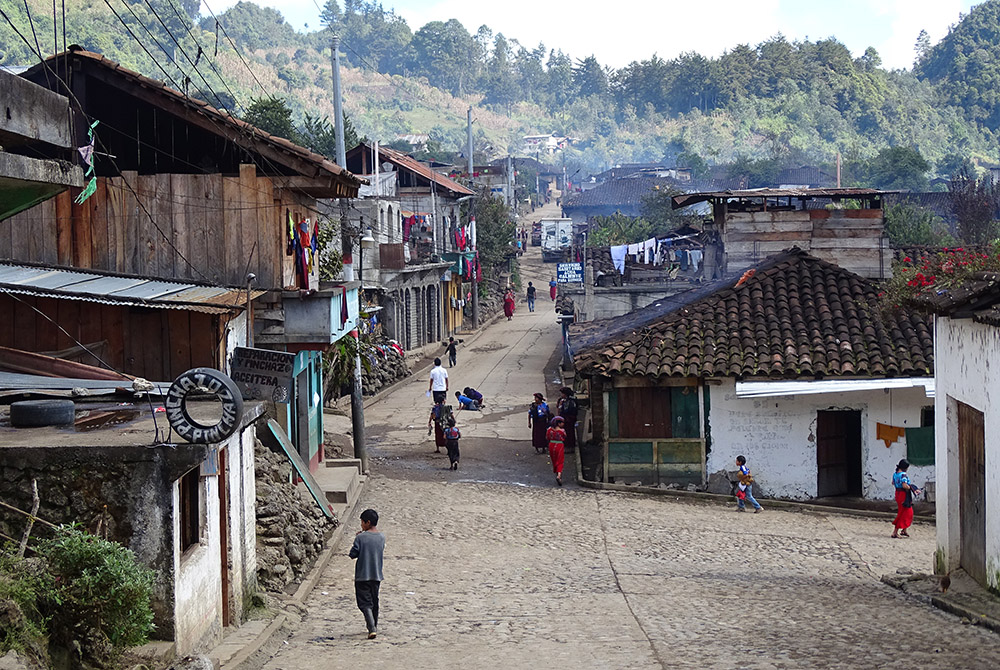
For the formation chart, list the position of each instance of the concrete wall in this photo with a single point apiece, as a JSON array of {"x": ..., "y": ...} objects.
[
  {"x": 607, "y": 303},
  {"x": 774, "y": 434},
  {"x": 965, "y": 356}
]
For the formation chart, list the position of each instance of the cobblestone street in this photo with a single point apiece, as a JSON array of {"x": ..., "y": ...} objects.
[{"x": 495, "y": 567}]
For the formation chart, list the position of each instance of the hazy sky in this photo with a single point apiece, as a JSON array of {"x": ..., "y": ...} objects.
[{"x": 620, "y": 33}]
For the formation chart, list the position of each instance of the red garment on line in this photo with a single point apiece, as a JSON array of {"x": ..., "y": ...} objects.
[{"x": 904, "y": 515}]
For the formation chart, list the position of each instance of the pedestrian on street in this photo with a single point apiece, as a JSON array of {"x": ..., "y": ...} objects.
[
  {"x": 451, "y": 437},
  {"x": 368, "y": 548},
  {"x": 538, "y": 421},
  {"x": 439, "y": 419},
  {"x": 744, "y": 490},
  {"x": 508, "y": 304},
  {"x": 465, "y": 402},
  {"x": 438, "y": 382},
  {"x": 905, "y": 491},
  {"x": 474, "y": 394},
  {"x": 556, "y": 437},
  {"x": 531, "y": 297},
  {"x": 553, "y": 286},
  {"x": 452, "y": 350},
  {"x": 567, "y": 409}
]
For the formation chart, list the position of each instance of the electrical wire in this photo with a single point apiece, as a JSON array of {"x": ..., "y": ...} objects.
[{"x": 232, "y": 44}]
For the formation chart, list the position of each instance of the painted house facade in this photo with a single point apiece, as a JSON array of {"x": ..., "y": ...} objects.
[
  {"x": 967, "y": 339},
  {"x": 792, "y": 365}
]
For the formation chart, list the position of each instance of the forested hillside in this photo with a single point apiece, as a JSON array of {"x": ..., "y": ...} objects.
[{"x": 783, "y": 102}]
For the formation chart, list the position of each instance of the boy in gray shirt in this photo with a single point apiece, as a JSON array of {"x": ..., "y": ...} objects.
[{"x": 369, "y": 544}]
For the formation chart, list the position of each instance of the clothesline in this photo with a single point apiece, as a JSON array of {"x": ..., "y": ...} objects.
[{"x": 655, "y": 251}]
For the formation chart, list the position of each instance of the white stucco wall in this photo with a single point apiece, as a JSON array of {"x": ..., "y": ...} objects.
[
  {"x": 966, "y": 356},
  {"x": 774, "y": 435},
  {"x": 198, "y": 583}
]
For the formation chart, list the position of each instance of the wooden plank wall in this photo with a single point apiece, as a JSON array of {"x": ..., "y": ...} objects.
[
  {"x": 157, "y": 344},
  {"x": 168, "y": 226}
]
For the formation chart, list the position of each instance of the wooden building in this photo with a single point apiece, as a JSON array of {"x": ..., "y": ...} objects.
[{"x": 844, "y": 226}]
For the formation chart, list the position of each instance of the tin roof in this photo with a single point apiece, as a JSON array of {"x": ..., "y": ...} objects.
[
  {"x": 807, "y": 193},
  {"x": 51, "y": 282},
  {"x": 413, "y": 165}
]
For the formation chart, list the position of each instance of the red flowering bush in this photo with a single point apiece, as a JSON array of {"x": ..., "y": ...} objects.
[{"x": 936, "y": 271}]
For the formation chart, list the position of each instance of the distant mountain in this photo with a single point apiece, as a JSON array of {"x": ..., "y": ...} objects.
[{"x": 788, "y": 103}]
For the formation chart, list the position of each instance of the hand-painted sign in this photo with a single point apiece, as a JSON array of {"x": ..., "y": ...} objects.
[
  {"x": 263, "y": 374},
  {"x": 201, "y": 382},
  {"x": 569, "y": 273}
]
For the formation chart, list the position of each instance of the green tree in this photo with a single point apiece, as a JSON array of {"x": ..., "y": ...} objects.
[
  {"x": 442, "y": 52},
  {"x": 911, "y": 225},
  {"x": 975, "y": 203},
  {"x": 618, "y": 229},
  {"x": 320, "y": 135},
  {"x": 898, "y": 168},
  {"x": 589, "y": 78},
  {"x": 273, "y": 116}
]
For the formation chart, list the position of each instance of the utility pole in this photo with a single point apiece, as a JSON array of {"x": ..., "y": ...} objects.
[
  {"x": 338, "y": 108},
  {"x": 357, "y": 399},
  {"x": 472, "y": 228}
]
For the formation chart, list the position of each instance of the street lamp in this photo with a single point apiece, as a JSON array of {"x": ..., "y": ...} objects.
[{"x": 367, "y": 241}]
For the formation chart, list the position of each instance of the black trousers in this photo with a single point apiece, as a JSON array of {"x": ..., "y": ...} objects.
[
  {"x": 440, "y": 396},
  {"x": 367, "y": 597}
]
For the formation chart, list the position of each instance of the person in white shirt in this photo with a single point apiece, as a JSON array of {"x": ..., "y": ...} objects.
[{"x": 439, "y": 382}]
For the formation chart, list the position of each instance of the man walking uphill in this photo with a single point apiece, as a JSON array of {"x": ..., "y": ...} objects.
[
  {"x": 531, "y": 297},
  {"x": 438, "y": 384},
  {"x": 369, "y": 545}
]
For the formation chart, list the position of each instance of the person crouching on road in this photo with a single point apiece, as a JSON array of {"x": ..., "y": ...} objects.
[
  {"x": 368, "y": 548},
  {"x": 556, "y": 436},
  {"x": 451, "y": 437},
  {"x": 465, "y": 402},
  {"x": 475, "y": 395}
]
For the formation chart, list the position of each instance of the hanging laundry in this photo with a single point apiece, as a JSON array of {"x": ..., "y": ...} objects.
[
  {"x": 289, "y": 234},
  {"x": 649, "y": 250},
  {"x": 696, "y": 255},
  {"x": 685, "y": 259},
  {"x": 618, "y": 257},
  {"x": 344, "y": 313},
  {"x": 634, "y": 250},
  {"x": 888, "y": 434}
]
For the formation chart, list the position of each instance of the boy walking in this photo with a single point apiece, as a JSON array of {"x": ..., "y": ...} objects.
[
  {"x": 744, "y": 490},
  {"x": 531, "y": 297},
  {"x": 369, "y": 545},
  {"x": 438, "y": 384}
]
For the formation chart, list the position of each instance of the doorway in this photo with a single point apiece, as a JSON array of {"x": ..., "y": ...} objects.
[
  {"x": 972, "y": 491},
  {"x": 838, "y": 453}
]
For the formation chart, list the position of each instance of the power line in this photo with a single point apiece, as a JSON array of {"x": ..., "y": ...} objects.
[{"x": 219, "y": 24}]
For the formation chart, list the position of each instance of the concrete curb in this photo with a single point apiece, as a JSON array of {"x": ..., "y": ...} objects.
[
  {"x": 725, "y": 499},
  {"x": 301, "y": 593},
  {"x": 978, "y": 618},
  {"x": 941, "y": 601}
]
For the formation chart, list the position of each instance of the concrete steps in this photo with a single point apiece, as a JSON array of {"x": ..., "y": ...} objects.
[{"x": 341, "y": 481}]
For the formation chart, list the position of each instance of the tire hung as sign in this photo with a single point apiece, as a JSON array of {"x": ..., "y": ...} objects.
[{"x": 202, "y": 383}]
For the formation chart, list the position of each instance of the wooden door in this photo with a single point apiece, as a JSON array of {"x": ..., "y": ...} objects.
[
  {"x": 972, "y": 491},
  {"x": 838, "y": 453},
  {"x": 644, "y": 412}
]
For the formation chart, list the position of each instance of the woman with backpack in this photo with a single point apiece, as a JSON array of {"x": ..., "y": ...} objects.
[
  {"x": 538, "y": 422},
  {"x": 451, "y": 437}
]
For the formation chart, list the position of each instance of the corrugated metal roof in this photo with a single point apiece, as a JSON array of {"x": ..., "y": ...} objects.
[
  {"x": 835, "y": 193},
  {"x": 412, "y": 164},
  {"x": 771, "y": 389},
  {"x": 112, "y": 290}
]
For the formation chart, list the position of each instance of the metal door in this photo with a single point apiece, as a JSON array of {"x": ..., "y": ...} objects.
[
  {"x": 838, "y": 453},
  {"x": 972, "y": 491}
]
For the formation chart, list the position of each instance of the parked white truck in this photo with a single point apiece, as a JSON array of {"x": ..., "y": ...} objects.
[{"x": 557, "y": 238}]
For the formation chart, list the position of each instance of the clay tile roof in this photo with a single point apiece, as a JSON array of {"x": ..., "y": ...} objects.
[
  {"x": 412, "y": 164},
  {"x": 977, "y": 297},
  {"x": 796, "y": 317}
]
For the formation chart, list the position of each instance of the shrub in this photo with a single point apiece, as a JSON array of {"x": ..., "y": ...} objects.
[{"x": 98, "y": 594}]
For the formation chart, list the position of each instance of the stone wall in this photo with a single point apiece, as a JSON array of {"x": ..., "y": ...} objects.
[{"x": 291, "y": 530}]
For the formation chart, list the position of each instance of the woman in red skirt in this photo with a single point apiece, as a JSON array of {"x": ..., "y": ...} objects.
[
  {"x": 904, "y": 500},
  {"x": 556, "y": 437}
]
